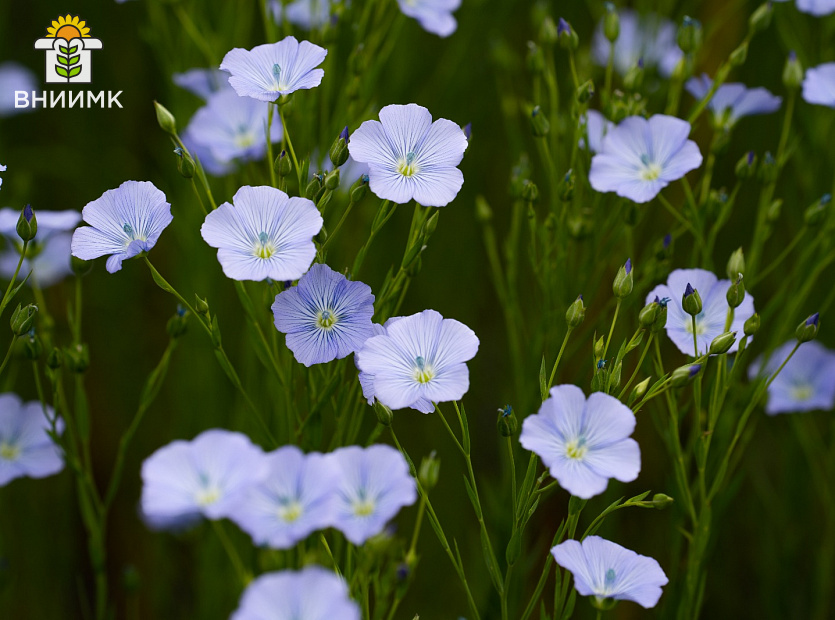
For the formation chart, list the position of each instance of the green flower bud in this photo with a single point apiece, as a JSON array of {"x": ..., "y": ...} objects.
[
  {"x": 77, "y": 358},
  {"x": 535, "y": 59},
  {"x": 635, "y": 76},
  {"x": 736, "y": 264},
  {"x": 431, "y": 225},
  {"x": 359, "y": 189},
  {"x": 201, "y": 306},
  {"x": 722, "y": 343},
  {"x": 760, "y": 19},
  {"x": 55, "y": 358},
  {"x": 691, "y": 301},
  {"x": 648, "y": 314},
  {"x": 773, "y": 212},
  {"x": 166, "y": 120},
  {"x": 808, "y": 329},
  {"x": 599, "y": 347},
  {"x": 660, "y": 319},
  {"x": 483, "y": 212},
  {"x": 429, "y": 471},
  {"x": 548, "y": 31},
  {"x": 661, "y": 501},
  {"x": 23, "y": 318},
  {"x": 752, "y": 325},
  {"x": 585, "y": 92},
  {"x": 383, "y": 413},
  {"x": 689, "y": 35},
  {"x": 282, "y": 165},
  {"x": 816, "y": 212},
  {"x": 539, "y": 123},
  {"x": 507, "y": 422},
  {"x": 565, "y": 190},
  {"x": 530, "y": 192},
  {"x": 27, "y": 224},
  {"x": 738, "y": 56},
  {"x": 768, "y": 169},
  {"x": 332, "y": 179},
  {"x": 32, "y": 346},
  {"x": 622, "y": 286},
  {"x": 568, "y": 36},
  {"x": 746, "y": 167},
  {"x": 611, "y": 23},
  {"x": 312, "y": 189},
  {"x": 792, "y": 72},
  {"x": 639, "y": 391},
  {"x": 185, "y": 164},
  {"x": 178, "y": 323},
  {"x": 576, "y": 313},
  {"x": 684, "y": 374},
  {"x": 339, "y": 149}
]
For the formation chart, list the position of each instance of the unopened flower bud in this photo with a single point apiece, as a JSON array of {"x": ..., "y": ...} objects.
[
  {"x": 747, "y": 165},
  {"x": 468, "y": 131},
  {"x": 507, "y": 422},
  {"x": 77, "y": 358},
  {"x": 359, "y": 189},
  {"x": 565, "y": 190},
  {"x": 339, "y": 149},
  {"x": 585, "y": 92},
  {"x": 27, "y": 224},
  {"x": 383, "y": 413},
  {"x": 549, "y": 32},
  {"x": 691, "y": 301},
  {"x": 32, "y": 346},
  {"x": 722, "y": 343},
  {"x": 611, "y": 23},
  {"x": 648, "y": 314},
  {"x": 576, "y": 312},
  {"x": 738, "y": 56},
  {"x": 539, "y": 123},
  {"x": 792, "y": 72},
  {"x": 332, "y": 179},
  {"x": 185, "y": 164},
  {"x": 201, "y": 306},
  {"x": 689, "y": 36},
  {"x": 736, "y": 264},
  {"x": 622, "y": 286},
  {"x": 530, "y": 192},
  {"x": 639, "y": 391},
  {"x": 760, "y": 19},
  {"x": 808, "y": 329},
  {"x": 736, "y": 292},
  {"x": 535, "y": 59},
  {"x": 661, "y": 318},
  {"x": 166, "y": 120},
  {"x": 661, "y": 501},
  {"x": 684, "y": 374},
  {"x": 55, "y": 358},
  {"x": 752, "y": 325},
  {"x": 429, "y": 471},
  {"x": 313, "y": 188},
  {"x": 772, "y": 214},
  {"x": 178, "y": 323},
  {"x": 282, "y": 165},
  {"x": 635, "y": 76},
  {"x": 816, "y": 212},
  {"x": 599, "y": 347},
  {"x": 567, "y": 36},
  {"x": 768, "y": 168},
  {"x": 23, "y": 318}
]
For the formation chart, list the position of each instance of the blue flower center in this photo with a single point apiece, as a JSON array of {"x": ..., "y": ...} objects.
[
  {"x": 407, "y": 165},
  {"x": 423, "y": 371},
  {"x": 610, "y": 578},
  {"x": 128, "y": 230},
  {"x": 277, "y": 84},
  {"x": 264, "y": 247}
]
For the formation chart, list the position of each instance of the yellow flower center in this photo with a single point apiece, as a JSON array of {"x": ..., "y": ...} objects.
[
  {"x": 290, "y": 512},
  {"x": 424, "y": 372},
  {"x": 802, "y": 392},
  {"x": 264, "y": 246},
  {"x": 651, "y": 172},
  {"x": 9, "y": 452},
  {"x": 363, "y": 507},
  {"x": 407, "y": 165},
  {"x": 207, "y": 496},
  {"x": 576, "y": 449},
  {"x": 701, "y": 328},
  {"x": 325, "y": 319}
]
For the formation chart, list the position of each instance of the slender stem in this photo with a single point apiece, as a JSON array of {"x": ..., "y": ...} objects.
[
  {"x": 8, "y": 354},
  {"x": 637, "y": 366},
  {"x": 270, "y": 160},
  {"x": 243, "y": 574},
  {"x": 290, "y": 147},
  {"x": 557, "y": 362},
  {"x": 612, "y": 327},
  {"x": 6, "y": 298}
]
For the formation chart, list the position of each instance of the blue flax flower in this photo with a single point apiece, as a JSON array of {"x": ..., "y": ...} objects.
[
  {"x": 606, "y": 570},
  {"x": 435, "y": 16},
  {"x": 806, "y": 383},
  {"x": 207, "y": 477},
  {"x": 306, "y": 14},
  {"x": 646, "y": 38},
  {"x": 2, "y": 169},
  {"x": 326, "y": 316},
  {"x": 312, "y": 593},
  {"x": 732, "y": 102},
  {"x": 295, "y": 499},
  {"x": 818, "y": 8},
  {"x": 597, "y": 126},
  {"x": 202, "y": 82},
  {"x": 48, "y": 254},
  {"x": 710, "y": 322},
  {"x": 124, "y": 222},
  {"x": 410, "y": 157},
  {"x": 819, "y": 85},
  {"x": 372, "y": 485},
  {"x": 583, "y": 442},
  {"x": 14, "y": 77},
  {"x": 273, "y": 69},
  {"x": 420, "y": 360},
  {"x": 640, "y": 157},
  {"x": 263, "y": 234},
  {"x": 25, "y": 447}
]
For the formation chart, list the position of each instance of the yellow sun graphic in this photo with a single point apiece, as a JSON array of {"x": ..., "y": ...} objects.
[{"x": 68, "y": 28}]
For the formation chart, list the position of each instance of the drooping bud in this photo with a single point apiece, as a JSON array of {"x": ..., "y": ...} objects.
[
  {"x": 684, "y": 374},
  {"x": 808, "y": 329},
  {"x": 339, "y": 149},
  {"x": 23, "y": 318},
  {"x": 576, "y": 313},
  {"x": 622, "y": 286},
  {"x": 166, "y": 120},
  {"x": 747, "y": 165},
  {"x": 429, "y": 471},
  {"x": 507, "y": 422},
  {"x": 752, "y": 325},
  {"x": 792, "y": 72},
  {"x": 539, "y": 123},
  {"x": 611, "y": 22},
  {"x": 736, "y": 292},
  {"x": 27, "y": 224},
  {"x": 722, "y": 343},
  {"x": 691, "y": 301}
]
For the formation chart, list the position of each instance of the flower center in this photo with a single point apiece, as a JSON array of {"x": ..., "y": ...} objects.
[
  {"x": 325, "y": 319},
  {"x": 802, "y": 391},
  {"x": 407, "y": 166},
  {"x": 363, "y": 507},
  {"x": 576, "y": 449},
  {"x": 609, "y": 581},
  {"x": 290, "y": 512},
  {"x": 244, "y": 138},
  {"x": 423, "y": 371},
  {"x": 8, "y": 451},
  {"x": 131, "y": 233},
  {"x": 264, "y": 247},
  {"x": 701, "y": 328},
  {"x": 207, "y": 495},
  {"x": 651, "y": 170},
  {"x": 277, "y": 85}
]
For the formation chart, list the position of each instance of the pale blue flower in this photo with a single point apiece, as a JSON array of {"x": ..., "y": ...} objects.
[
  {"x": 434, "y": 16},
  {"x": 372, "y": 485},
  {"x": 306, "y": 14},
  {"x": 367, "y": 379},
  {"x": 326, "y": 316},
  {"x": 640, "y": 157},
  {"x": 49, "y": 222},
  {"x": 421, "y": 359},
  {"x": 124, "y": 222},
  {"x": 818, "y": 8},
  {"x": 263, "y": 234},
  {"x": 597, "y": 126},
  {"x": 819, "y": 85},
  {"x": 410, "y": 157},
  {"x": 648, "y": 38},
  {"x": 732, "y": 101},
  {"x": 207, "y": 476},
  {"x": 295, "y": 499},
  {"x": 48, "y": 259},
  {"x": 807, "y": 381},
  {"x": 583, "y": 442},
  {"x": 710, "y": 322},
  {"x": 312, "y": 593},
  {"x": 2, "y": 169},
  {"x": 606, "y": 570},
  {"x": 273, "y": 69},
  {"x": 14, "y": 76},
  {"x": 26, "y": 450},
  {"x": 202, "y": 82}
]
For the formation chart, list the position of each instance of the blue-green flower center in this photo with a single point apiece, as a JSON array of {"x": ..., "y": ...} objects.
[
  {"x": 290, "y": 512},
  {"x": 325, "y": 319},
  {"x": 423, "y": 371},
  {"x": 576, "y": 449},
  {"x": 264, "y": 246},
  {"x": 407, "y": 165},
  {"x": 651, "y": 170}
]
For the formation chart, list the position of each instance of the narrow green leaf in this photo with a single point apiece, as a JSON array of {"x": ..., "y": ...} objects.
[
  {"x": 61, "y": 71},
  {"x": 74, "y": 60},
  {"x": 75, "y": 71},
  {"x": 72, "y": 50},
  {"x": 543, "y": 385},
  {"x": 473, "y": 501},
  {"x": 63, "y": 61},
  {"x": 63, "y": 49}
]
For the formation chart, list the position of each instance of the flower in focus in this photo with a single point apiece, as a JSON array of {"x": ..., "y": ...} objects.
[
  {"x": 606, "y": 570},
  {"x": 710, "y": 322},
  {"x": 48, "y": 254},
  {"x": 263, "y": 234},
  {"x": 642, "y": 37},
  {"x": 202, "y": 82},
  {"x": 819, "y": 85},
  {"x": 366, "y": 379},
  {"x": 25, "y": 447},
  {"x": 326, "y": 316},
  {"x": 583, "y": 442},
  {"x": 306, "y": 14},
  {"x": 640, "y": 157},
  {"x": 421, "y": 359},
  {"x": 806, "y": 381},
  {"x": 206, "y": 476},
  {"x": 124, "y": 222},
  {"x": 372, "y": 485},
  {"x": 732, "y": 102},
  {"x": 410, "y": 157},
  {"x": 292, "y": 501},
  {"x": 273, "y": 69},
  {"x": 14, "y": 76},
  {"x": 435, "y": 16},
  {"x": 597, "y": 126},
  {"x": 312, "y": 593}
]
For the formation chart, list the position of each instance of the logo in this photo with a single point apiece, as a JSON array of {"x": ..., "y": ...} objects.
[{"x": 68, "y": 45}]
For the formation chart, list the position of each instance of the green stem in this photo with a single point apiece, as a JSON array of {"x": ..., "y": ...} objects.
[
  {"x": 243, "y": 574},
  {"x": 270, "y": 160},
  {"x": 290, "y": 147}
]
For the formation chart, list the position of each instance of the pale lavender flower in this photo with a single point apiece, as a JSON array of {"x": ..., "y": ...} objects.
[
  {"x": 366, "y": 379},
  {"x": 202, "y": 82},
  {"x": 14, "y": 76},
  {"x": 273, "y": 69},
  {"x": 648, "y": 38},
  {"x": 421, "y": 359},
  {"x": 295, "y": 499},
  {"x": 435, "y": 16},
  {"x": 2, "y": 169},
  {"x": 48, "y": 259},
  {"x": 206, "y": 476},
  {"x": 597, "y": 126},
  {"x": 306, "y": 14},
  {"x": 710, "y": 322},
  {"x": 732, "y": 101},
  {"x": 26, "y": 449},
  {"x": 819, "y": 85},
  {"x": 312, "y": 593},
  {"x": 325, "y": 316},
  {"x": 818, "y": 8},
  {"x": 583, "y": 442},
  {"x": 806, "y": 382},
  {"x": 372, "y": 485},
  {"x": 124, "y": 222},
  {"x": 606, "y": 570},
  {"x": 640, "y": 157},
  {"x": 263, "y": 234},
  {"x": 410, "y": 157},
  {"x": 49, "y": 222}
]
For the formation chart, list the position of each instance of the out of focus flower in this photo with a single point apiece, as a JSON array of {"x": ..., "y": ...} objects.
[
  {"x": 640, "y": 157},
  {"x": 273, "y": 69},
  {"x": 597, "y": 126},
  {"x": 817, "y": 8},
  {"x": 14, "y": 76},
  {"x": 410, "y": 157},
  {"x": 420, "y": 360},
  {"x": 606, "y": 570},
  {"x": 207, "y": 476},
  {"x": 202, "y": 82},
  {"x": 326, "y": 316},
  {"x": 710, "y": 321},
  {"x": 806, "y": 381},
  {"x": 48, "y": 254},
  {"x": 26, "y": 450},
  {"x": 649, "y": 38},
  {"x": 732, "y": 102},
  {"x": 435, "y": 16},
  {"x": 819, "y": 85},
  {"x": 124, "y": 222},
  {"x": 294, "y": 499},
  {"x": 263, "y": 234},
  {"x": 312, "y": 593},
  {"x": 2, "y": 169},
  {"x": 372, "y": 485},
  {"x": 583, "y": 442},
  {"x": 306, "y": 14}
]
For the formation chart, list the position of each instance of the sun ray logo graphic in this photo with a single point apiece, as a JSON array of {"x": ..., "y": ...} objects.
[{"x": 68, "y": 44}]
